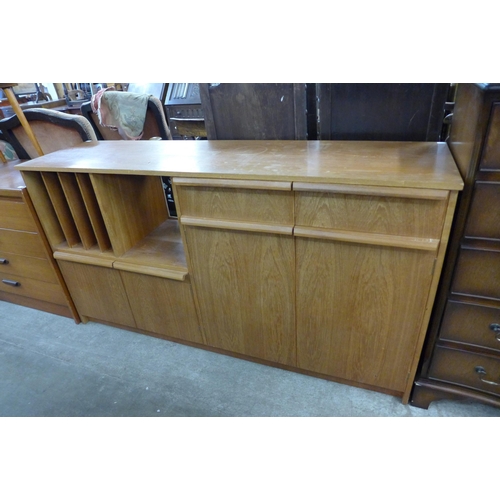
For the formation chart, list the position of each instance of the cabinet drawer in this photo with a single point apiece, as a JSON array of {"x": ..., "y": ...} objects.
[
  {"x": 14, "y": 214},
  {"x": 243, "y": 201},
  {"x": 491, "y": 155},
  {"x": 477, "y": 274},
  {"x": 36, "y": 289},
  {"x": 484, "y": 215},
  {"x": 29, "y": 267},
  {"x": 371, "y": 210},
  {"x": 471, "y": 324},
  {"x": 466, "y": 369},
  {"x": 21, "y": 243}
]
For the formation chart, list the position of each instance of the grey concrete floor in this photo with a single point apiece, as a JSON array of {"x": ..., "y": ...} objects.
[{"x": 49, "y": 366}]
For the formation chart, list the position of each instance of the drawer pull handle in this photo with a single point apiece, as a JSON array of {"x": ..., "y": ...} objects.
[
  {"x": 4, "y": 261},
  {"x": 11, "y": 283},
  {"x": 482, "y": 373},
  {"x": 496, "y": 328}
]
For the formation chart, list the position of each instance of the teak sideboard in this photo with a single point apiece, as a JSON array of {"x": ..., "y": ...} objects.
[{"x": 321, "y": 257}]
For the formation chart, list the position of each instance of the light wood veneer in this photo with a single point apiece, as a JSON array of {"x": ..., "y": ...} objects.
[
  {"x": 29, "y": 276},
  {"x": 321, "y": 257}
]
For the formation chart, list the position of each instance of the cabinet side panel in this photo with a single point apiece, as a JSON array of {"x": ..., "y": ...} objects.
[
  {"x": 491, "y": 155},
  {"x": 463, "y": 141}
]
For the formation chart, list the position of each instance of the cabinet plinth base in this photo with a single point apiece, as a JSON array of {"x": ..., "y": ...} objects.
[
  {"x": 426, "y": 391},
  {"x": 249, "y": 358}
]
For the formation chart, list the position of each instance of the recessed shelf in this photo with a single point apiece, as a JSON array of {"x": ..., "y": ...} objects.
[{"x": 160, "y": 253}]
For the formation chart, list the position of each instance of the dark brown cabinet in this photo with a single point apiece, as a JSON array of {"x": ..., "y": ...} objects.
[{"x": 462, "y": 355}]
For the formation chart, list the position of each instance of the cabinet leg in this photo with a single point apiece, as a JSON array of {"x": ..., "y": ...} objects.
[
  {"x": 422, "y": 396},
  {"x": 426, "y": 391}
]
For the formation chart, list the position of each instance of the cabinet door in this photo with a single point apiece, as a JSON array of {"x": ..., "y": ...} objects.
[
  {"x": 244, "y": 283},
  {"x": 163, "y": 306},
  {"x": 359, "y": 309},
  {"x": 98, "y": 292}
]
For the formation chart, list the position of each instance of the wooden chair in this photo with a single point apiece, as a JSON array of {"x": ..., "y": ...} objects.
[
  {"x": 155, "y": 124},
  {"x": 53, "y": 130}
]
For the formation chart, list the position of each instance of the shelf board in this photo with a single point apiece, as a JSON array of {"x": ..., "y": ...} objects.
[
  {"x": 79, "y": 254},
  {"x": 161, "y": 253}
]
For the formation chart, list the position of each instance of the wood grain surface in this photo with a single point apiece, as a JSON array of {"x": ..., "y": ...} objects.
[
  {"x": 131, "y": 206},
  {"x": 236, "y": 204},
  {"x": 28, "y": 267},
  {"x": 415, "y": 217},
  {"x": 21, "y": 243},
  {"x": 14, "y": 214},
  {"x": 93, "y": 211},
  {"x": 33, "y": 288},
  {"x": 244, "y": 283},
  {"x": 61, "y": 207},
  {"x": 427, "y": 165},
  {"x": 163, "y": 306},
  {"x": 44, "y": 208},
  {"x": 98, "y": 292},
  {"x": 78, "y": 209},
  {"x": 359, "y": 309}
]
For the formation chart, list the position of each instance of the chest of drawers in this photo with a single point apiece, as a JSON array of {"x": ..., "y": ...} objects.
[
  {"x": 462, "y": 355},
  {"x": 28, "y": 273}
]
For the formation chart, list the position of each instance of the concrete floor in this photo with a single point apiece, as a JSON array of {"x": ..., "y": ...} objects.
[{"x": 49, "y": 366}]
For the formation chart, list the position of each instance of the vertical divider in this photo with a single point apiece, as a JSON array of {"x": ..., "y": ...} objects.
[
  {"x": 132, "y": 206},
  {"x": 44, "y": 208},
  {"x": 58, "y": 199},
  {"x": 78, "y": 210},
  {"x": 94, "y": 212}
]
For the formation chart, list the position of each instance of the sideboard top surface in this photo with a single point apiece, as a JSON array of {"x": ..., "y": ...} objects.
[
  {"x": 11, "y": 180},
  {"x": 377, "y": 163}
]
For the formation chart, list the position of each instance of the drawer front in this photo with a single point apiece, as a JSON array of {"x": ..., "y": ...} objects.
[
  {"x": 466, "y": 369},
  {"x": 491, "y": 155},
  {"x": 242, "y": 201},
  {"x": 401, "y": 216},
  {"x": 477, "y": 274},
  {"x": 21, "y": 243},
  {"x": 484, "y": 215},
  {"x": 29, "y": 267},
  {"x": 27, "y": 287},
  {"x": 14, "y": 214},
  {"x": 471, "y": 324}
]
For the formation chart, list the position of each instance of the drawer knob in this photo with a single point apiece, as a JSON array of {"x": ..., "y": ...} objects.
[
  {"x": 482, "y": 373},
  {"x": 11, "y": 282},
  {"x": 4, "y": 261},
  {"x": 496, "y": 328}
]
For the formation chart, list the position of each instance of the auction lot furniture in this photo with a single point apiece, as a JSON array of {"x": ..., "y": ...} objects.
[
  {"x": 462, "y": 355},
  {"x": 320, "y": 257},
  {"x": 29, "y": 275}
]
